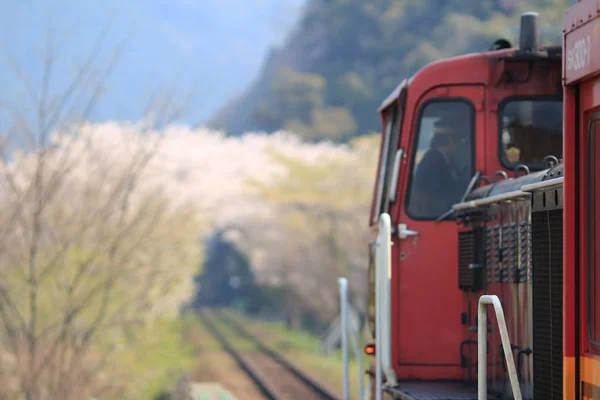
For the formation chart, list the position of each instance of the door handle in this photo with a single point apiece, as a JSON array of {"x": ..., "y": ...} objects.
[{"x": 404, "y": 232}]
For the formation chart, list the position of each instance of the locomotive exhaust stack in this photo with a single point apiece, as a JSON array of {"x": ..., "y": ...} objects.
[{"x": 529, "y": 40}]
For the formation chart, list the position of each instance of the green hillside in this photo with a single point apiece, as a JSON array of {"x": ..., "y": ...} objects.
[{"x": 345, "y": 56}]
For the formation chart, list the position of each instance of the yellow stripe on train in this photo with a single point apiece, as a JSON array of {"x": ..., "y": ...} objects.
[
  {"x": 590, "y": 378},
  {"x": 590, "y": 372},
  {"x": 569, "y": 378}
]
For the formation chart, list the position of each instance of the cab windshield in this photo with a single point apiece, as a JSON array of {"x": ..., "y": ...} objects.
[{"x": 530, "y": 130}]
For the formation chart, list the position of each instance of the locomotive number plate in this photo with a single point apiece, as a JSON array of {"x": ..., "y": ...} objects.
[{"x": 582, "y": 56}]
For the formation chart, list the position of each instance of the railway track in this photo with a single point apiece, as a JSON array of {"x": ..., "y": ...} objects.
[{"x": 276, "y": 377}]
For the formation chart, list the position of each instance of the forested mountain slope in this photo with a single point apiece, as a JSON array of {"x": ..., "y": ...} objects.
[{"x": 345, "y": 56}]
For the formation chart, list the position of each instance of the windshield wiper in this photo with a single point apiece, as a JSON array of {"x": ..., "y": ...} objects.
[{"x": 472, "y": 184}]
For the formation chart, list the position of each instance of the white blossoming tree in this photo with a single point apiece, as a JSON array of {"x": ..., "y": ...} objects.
[{"x": 91, "y": 245}]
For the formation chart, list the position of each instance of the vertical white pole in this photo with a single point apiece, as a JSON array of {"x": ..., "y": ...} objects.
[
  {"x": 378, "y": 318},
  {"x": 343, "y": 282},
  {"x": 357, "y": 353}
]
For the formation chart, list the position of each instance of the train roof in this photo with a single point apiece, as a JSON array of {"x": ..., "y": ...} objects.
[
  {"x": 472, "y": 68},
  {"x": 393, "y": 96}
]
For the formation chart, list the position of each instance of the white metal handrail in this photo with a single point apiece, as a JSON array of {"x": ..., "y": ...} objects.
[
  {"x": 383, "y": 275},
  {"x": 484, "y": 301},
  {"x": 486, "y": 201}
]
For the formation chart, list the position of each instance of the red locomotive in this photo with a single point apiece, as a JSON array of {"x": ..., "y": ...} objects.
[{"x": 472, "y": 199}]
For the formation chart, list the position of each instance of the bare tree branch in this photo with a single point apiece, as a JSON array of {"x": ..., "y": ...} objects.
[{"x": 73, "y": 247}]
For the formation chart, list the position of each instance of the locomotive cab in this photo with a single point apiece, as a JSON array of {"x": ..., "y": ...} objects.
[{"x": 454, "y": 121}]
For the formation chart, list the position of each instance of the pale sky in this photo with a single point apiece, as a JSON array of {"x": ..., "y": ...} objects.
[{"x": 216, "y": 45}]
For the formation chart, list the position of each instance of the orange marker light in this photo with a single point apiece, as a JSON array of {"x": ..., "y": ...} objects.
[{"x": 370, "y": 349}]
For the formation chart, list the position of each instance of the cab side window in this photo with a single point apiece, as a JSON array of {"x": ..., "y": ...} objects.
[
  {"x": 387, "y": 157},
  {"x": 442, "y": 162},
  {"x": 530, "y": 130},
  {"x": 594, "y": 233},
  {"x": 393, "y": 137}
]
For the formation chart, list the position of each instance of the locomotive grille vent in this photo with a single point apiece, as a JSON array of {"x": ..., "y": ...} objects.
[
  {"x": 494, "y": 254},
  {"x": 471, "y": 250},
  {"x": 547, "y": 267},
  {"x": 508, "y": 272},
  {"x": 524, "y": 271},
  {"x": 489, "y": 253},
  {"x": 497, "y": 253},
  {"x": 507, "y": 253}
]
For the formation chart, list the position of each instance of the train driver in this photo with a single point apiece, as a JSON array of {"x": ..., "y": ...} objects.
[{"x": 437, "y": 183}]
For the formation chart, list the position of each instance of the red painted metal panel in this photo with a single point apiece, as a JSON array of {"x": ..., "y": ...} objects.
[
  {"x": 579, "y": 14},
  {"x": 594, "y": 231},
  {"x": 570, "y": 222},
  {"x": 581, "y": 62},
  {"x": 582, "y": 41},
  {"x": 588, "y": 108},
  {"x": 576, "y": 223}
]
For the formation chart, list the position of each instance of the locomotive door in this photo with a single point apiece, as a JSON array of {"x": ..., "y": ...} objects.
[
  {"x": 440, "y": 162},
  {"x": 589, "y": 359}
]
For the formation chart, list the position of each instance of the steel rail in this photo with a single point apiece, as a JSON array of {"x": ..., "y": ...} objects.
[
  {"x": 265, "y": 387},
  {"x": 316, "y": 386}
]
